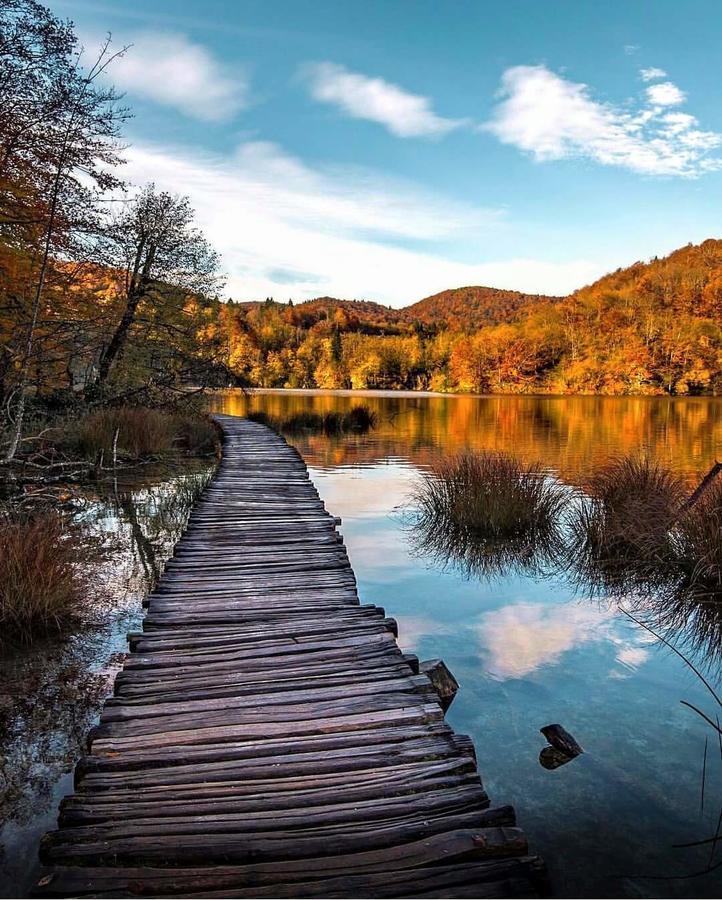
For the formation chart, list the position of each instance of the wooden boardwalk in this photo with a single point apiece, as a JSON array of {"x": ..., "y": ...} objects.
[{"x": 267, "y": 737}]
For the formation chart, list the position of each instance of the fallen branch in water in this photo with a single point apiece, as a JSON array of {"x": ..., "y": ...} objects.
[{"x": 702, "y": 487}]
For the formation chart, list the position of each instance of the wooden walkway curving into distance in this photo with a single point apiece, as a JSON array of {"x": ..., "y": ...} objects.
[{"x": 267, "y": 737}]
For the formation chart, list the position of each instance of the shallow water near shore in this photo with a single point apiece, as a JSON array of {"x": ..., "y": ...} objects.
[
  {"x": 51, "y": 693},
  {"x": 530, "y": 651}
]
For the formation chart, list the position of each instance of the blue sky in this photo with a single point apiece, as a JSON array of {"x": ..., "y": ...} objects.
[{"x": 389, "y": 150}]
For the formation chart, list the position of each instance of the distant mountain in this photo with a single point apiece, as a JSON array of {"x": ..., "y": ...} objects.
[
  {"x": 467, "y": 308},
  {"x": 457, "y": 309},
  {"x": 352, "y": 315}
]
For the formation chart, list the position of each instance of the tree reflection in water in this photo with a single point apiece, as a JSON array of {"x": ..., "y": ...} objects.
[{"x": 51, "y": 693}]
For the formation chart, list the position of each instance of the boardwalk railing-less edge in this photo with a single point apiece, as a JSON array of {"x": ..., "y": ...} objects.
[{"x": 267, "y": 737}]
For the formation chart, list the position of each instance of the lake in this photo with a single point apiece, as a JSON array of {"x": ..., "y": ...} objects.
[{"x": 531, "y": 650}]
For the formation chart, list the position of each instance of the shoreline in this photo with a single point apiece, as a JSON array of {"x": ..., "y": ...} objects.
[{"x": 408, "y": 394}]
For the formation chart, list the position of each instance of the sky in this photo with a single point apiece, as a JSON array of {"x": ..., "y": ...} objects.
[{"x": 388, "y": 149}]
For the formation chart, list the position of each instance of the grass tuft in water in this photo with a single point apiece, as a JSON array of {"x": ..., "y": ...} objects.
[
  {"x": 487, "y": 512},
  {"x": 302, "y": 421},
  {"x": 359, "y": 419},
  {"x": 42, "y": 585},
  {"x": 621, "y": 532}
]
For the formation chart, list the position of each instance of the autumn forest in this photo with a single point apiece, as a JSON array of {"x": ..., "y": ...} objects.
[{"x": 649, "y": 329}]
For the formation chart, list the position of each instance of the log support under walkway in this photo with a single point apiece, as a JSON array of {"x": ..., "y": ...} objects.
[{"x": 267, "y": 737}]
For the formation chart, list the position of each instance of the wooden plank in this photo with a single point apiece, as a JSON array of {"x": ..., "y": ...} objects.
[
  {"x": 266, "y": 723},
  {"x": 82, "y": 810},
  {"x": 208, "y": 764},
  {"x": 197, "y": 847},
  {"x": 442, "y": 859},
  {"x": 233, "y": 818}
]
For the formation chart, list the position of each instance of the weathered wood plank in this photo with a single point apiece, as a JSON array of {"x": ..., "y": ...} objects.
[{"x": 438, "y": 861}]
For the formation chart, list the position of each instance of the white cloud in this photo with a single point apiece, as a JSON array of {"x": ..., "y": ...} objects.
[
  {"x": 665, "y": 94},
  {"x": 520, "y": 638},
  {"x": 171, "y": 70},
  {"x": 633, "y": 657},
  {"x": 554, "y": 118},
  {"x": 652, "y": 73},
  {"x": 288, "y": 230},
  {"x": 361, "y": 97}
]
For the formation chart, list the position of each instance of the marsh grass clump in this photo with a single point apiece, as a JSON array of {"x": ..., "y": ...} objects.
[
  {"x": 333, "y": 423},
  {"x": 698, "y": 540},
  {"x": 490, "y": 494},
  {"x": 302, "y": 421},
  {"x": 142, "y": 432},
  {"x": 197, "y": 435},
  {"x": 486, "y": 512},
  {"x": 358, "y": 419},
  {"x": 42, "y": 585},
  {"x": 622, "y": 531}
]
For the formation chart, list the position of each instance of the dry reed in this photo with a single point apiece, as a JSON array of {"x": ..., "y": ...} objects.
[{"x": 42, "y": 580}]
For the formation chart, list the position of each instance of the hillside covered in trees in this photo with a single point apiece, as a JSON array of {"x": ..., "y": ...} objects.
[
  {"x": 472, "y": 307},
  {"x": 107, "y": 288},
  {"x": 652, "y": 328}
]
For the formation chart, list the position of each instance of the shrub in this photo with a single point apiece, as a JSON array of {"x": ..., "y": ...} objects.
[
  {"x": 42, "y": 585},
  {"x": 621, "y": 532},
  {"x": 487, "y": 511},
  {"x": 698, "y": 538}
]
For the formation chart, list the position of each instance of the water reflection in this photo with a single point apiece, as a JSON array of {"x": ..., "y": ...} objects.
[
  {"x": 478, "y": 557},
  {"x": 51, "y": 693},
  {"x": 529, "y": 650},
  {"x": 569, "y": 435},
  {"x": 520, "y": 638}
]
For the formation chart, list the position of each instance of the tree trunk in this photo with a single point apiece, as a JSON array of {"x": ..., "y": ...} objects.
[
  {"x": 30, "y": 340},
  {"x": 120, "y": 335},
  {"x": 137, "y": 289}
]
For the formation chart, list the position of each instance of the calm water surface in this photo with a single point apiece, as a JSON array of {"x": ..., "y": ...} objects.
[
  {"x": 530, "y": 651},
  {"x": 52, "y": 692}
]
